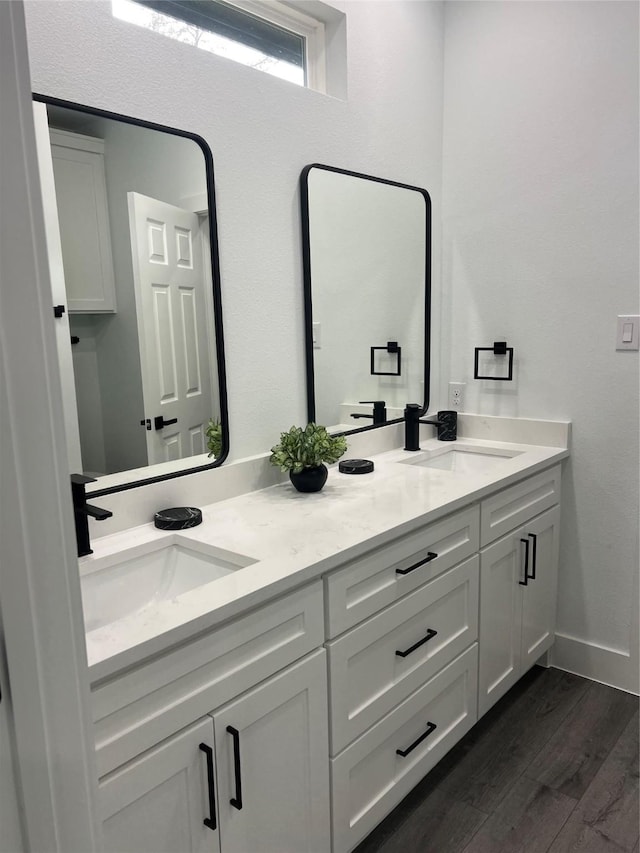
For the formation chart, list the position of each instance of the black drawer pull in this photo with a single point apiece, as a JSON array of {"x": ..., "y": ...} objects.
[
  {"x": 430, "y": 556},
  {"x": 534, "y": 556},
  {"x": 211, "y": 820},
  {"x": 430, "y": 633},
  {"x": 431, "y": 727},
  {"x": 525, "y": 582},
  {"x": 236, "y": 801}
]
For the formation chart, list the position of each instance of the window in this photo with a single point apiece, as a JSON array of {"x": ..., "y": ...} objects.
[{"x": 264, "y": 34}]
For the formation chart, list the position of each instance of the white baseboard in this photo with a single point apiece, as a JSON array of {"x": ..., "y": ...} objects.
[{"x": 608, "y": 666}]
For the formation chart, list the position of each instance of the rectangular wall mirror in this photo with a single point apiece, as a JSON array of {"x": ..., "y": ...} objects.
[
  {"x": 132, "y": 242},
  {"x": 367, "y": 283}
]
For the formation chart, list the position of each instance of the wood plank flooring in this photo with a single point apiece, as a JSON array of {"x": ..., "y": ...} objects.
[{"x": 551, "y": 768}]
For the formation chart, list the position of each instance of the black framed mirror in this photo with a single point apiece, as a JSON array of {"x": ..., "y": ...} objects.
[
  {"x": 367, "y": 293},
  {"x": 133, "y": 248}
]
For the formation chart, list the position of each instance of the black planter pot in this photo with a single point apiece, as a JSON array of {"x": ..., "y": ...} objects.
[{"x": 310, "y": 479}]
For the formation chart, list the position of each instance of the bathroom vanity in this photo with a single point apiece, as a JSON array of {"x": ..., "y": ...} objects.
[{"x": 349, "y": 640}]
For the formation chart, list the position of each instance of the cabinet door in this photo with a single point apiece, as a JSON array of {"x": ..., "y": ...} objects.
[
  {"x": 158, "y": 803},
  {"x": 501, "y": 570},
  {"x": 81, "y": 196},
  {"x": 273, "y": 766},
  {"x": 539, "y": 595}
]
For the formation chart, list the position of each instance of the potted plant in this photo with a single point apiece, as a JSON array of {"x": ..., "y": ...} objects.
[
  {"x": 213, "y": 433},
  {"x": 302, "y": 452}
]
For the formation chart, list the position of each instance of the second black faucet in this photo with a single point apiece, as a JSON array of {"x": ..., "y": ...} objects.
[{"x": 447, "y": 424}]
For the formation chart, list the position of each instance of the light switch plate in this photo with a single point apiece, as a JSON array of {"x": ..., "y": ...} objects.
[{"x": 627, "y": 336}]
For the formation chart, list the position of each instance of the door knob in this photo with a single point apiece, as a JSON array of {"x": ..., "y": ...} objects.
[{"x": 159, "y": 422}]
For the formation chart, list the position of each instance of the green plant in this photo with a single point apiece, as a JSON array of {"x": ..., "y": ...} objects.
[
  {"x": 307, "y": 448},
  {"x": 213, "y": 433}
]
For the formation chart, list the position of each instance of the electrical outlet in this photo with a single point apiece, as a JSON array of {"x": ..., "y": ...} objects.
[{"x": 456, "y": 395}]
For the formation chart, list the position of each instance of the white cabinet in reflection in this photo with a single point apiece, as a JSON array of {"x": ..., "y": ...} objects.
[{"x": 81, "y": 197}]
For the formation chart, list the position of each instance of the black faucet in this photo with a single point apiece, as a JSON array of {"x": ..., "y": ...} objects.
[
  {"x": 447, "y": 425},
  {"x": 379, "y": 415},
  {"x": 81, "y": 512}
]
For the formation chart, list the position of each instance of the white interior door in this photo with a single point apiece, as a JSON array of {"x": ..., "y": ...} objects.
[
  {"x": 170, "y": 288},
  {"x": 58, "y": 292}
]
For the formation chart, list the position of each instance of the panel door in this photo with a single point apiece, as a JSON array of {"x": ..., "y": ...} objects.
[
  {"x": 158, "y": 803},
  {"x": 171, "y": 300},
  {"x": 539, "y": 597},
  {"x": 273, "y": 765},
  {"x": 501, "y": 569}
]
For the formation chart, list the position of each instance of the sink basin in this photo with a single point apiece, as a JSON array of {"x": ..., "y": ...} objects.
[
  {"x": 462, "y": 459},
  {"x": 124, "y": 584}
]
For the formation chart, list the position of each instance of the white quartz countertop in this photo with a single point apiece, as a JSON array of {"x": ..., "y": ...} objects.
[{"x": 294, "y": 538}]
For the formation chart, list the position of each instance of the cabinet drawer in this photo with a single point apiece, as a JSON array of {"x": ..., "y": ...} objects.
[
  {"x": 141, "y": 707},
  {"x": 372, "y": 582},
  {"x": 370, "y": 777},
  {"x": 430, "y": 627},
  {"x": 511, "y": 507}
]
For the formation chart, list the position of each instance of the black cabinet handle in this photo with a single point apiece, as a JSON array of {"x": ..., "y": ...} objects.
[
  {"x": 431, "y": 727},
  {"x": 430, "y": 556},
  {"x": 534, "y": 556},
  {"x": 525, "y": 582},
  {"x": 236, "y": 801},
  {"x": 430, "y": 633},
  {"x": 211, "y": 820},
  {"x": 159, "y": 422}
]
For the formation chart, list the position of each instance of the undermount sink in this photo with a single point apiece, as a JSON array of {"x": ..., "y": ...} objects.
[
  {"x": 121, "y": 585},
  {"x": 462, "y": 459}
]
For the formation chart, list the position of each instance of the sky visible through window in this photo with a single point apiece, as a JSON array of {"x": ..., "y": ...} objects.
[{"x": 128, "y": 10}]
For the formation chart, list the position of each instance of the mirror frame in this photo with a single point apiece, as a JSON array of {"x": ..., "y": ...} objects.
[
  {"x": 215, "y": 276},
  {"x": 308, "y": 296}
]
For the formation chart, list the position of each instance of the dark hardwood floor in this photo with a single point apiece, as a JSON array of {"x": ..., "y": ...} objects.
[{"x": 551, "y": 768}]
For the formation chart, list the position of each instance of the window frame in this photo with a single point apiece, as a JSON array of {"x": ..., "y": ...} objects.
[
  {"x": 285, "y": 16},
  {"x": 309, "y": 28}
]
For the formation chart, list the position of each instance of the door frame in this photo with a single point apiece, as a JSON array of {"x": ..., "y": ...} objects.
[{"x": 41, "y": 602}]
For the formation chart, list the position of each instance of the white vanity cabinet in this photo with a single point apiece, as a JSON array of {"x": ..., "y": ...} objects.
[
  {"x": 85, "y": 234},
  {"x": 297, "y": 726},
  {"x": 211, "y": 786},
  {"x": 413, "y": 664},
  {"x": 518, "y": 583},
  {"x": 245, "y": 704}
]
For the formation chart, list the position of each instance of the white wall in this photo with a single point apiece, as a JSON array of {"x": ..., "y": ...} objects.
[
  {"x": 262, "y": 132},
  {"x": 541, "y": 246}
]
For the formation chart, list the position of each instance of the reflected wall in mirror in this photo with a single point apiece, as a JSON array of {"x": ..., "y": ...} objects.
[
  {"x": 367, "y": 262},
  {"x": 131, "y": 236}
]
